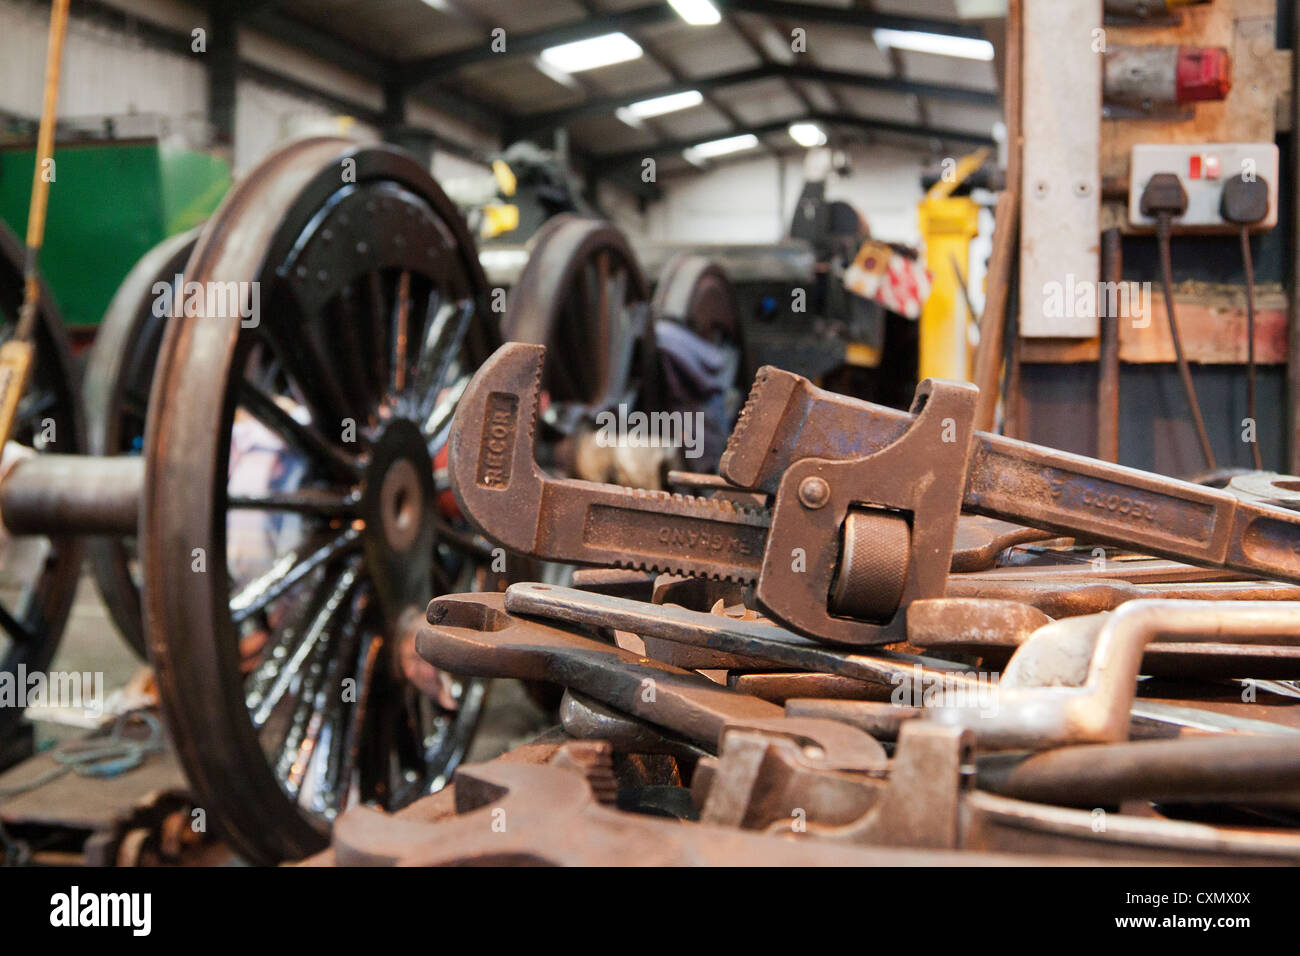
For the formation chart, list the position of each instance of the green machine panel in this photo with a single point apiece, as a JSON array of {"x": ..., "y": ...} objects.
[{"x": 110, "y": 203}]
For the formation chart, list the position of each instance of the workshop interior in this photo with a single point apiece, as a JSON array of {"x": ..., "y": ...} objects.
[{"x": 649, "y": 433}]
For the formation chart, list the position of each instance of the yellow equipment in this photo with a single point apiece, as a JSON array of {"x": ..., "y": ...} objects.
[{"x": 948, "y": 223}]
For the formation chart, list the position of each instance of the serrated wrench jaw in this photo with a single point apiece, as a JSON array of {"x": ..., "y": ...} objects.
[{"x": 491, "y": 457}]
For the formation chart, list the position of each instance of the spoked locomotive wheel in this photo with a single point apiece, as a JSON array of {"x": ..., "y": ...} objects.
[
  {"x": 38, "y": 574},
  {"x": 119, "y": 373},
  {"x": 295, "y": 521},
  {"x": 583, "y": 295}
]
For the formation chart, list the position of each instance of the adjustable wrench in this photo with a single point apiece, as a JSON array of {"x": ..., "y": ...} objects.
[{"x": 865, "y": 500}]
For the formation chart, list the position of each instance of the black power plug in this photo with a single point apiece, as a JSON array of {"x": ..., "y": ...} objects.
[
  {"x": 1164, "y": 196},
  {"x": 1244, "y": 203}
]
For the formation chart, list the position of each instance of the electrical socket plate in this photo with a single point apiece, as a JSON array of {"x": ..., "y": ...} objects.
[{"x": 1203, "y": 169}]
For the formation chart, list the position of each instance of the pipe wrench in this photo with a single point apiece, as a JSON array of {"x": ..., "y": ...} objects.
[{"x": 862, "y": 501}]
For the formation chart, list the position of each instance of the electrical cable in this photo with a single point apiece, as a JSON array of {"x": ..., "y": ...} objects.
[
  {"x": 1249, "y": 267},
  {"x": 1163, "y": 229},
  {"x": 1246, "y": 202}
]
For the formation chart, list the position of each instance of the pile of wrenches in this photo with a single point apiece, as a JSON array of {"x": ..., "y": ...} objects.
[{"x": 875, "y": 637}]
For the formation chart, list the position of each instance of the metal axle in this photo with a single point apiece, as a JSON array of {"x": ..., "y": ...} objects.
[{"x": 61, "y": 495}]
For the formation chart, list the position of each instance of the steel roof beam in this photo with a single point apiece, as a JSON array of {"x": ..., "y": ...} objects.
[
  {"x": 833, "y": 119},
  {"x": 800, "y": 13},
  {"x": 442, "y": 64},
  {"x": 543, "y": 122}
]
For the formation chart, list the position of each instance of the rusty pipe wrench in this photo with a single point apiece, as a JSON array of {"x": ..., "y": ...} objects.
[{"x": 865, "y": 500}]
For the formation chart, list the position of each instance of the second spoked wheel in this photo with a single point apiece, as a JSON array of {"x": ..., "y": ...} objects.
[
  {"x": 583, "y": 295},
  {"x": 296, "y": 518},
  {"x": 115, "y": 391}
]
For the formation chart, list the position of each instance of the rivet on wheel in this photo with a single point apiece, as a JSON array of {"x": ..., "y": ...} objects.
[{"x": 814, "y": 492}]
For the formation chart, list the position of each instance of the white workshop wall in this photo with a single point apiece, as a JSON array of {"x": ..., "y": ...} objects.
[
  {"x": 109, "y": 72},
  {"x": 744, "y": 201},
  {"x": 106, "y": 72}
]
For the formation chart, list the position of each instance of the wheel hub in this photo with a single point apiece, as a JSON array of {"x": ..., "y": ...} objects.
[{"x": 397, "y": 505}]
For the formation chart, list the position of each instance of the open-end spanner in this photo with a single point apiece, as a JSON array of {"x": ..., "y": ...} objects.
[
  {"x": 473, "y": 635},
  {"x": 745, "y": 639}
]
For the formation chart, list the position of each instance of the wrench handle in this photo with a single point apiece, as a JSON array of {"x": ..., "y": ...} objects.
[{"x": 1080, "y": 496}]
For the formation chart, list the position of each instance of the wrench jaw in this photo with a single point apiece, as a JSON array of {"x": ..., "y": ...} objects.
[
  {"x": 495, "y": 478},
  {"x": 502, "y": 491},
  {"x": 460, "y": 638},
  {"x": 920, "y": 478}
]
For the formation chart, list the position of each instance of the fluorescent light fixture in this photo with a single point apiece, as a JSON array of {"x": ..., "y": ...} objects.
[
  {"x": 720, "y": 147},
  {"x": 807, "y": 134},
  {"x": 698, "y": 13},
  {"x": 966, "y": 47},
  {"x": 658, "y": 106},
  {"x": 591, "y": 53}
]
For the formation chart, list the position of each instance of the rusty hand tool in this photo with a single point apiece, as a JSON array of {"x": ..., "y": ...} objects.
[
  {"x": 831, "y": 766},
  {"x": 865, "y": 500},
  {"x": 1220, "y": 769},
  {"x": 1068, "y": 597},
  {"x": 992, "y": 629},
  {"x": 544, "y": 815},
  {"x": 473, "y": 635},
  {"x": 746, "y": 639},
  {"x": 929, "y": 801},
  {"x": 1074, "y": 680}
]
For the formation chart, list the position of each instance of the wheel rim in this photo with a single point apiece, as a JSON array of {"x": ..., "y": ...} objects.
[
  {"x": 119, "y": 372},
  {"x": 38, "y": 575},
  {"x": 583, "y": 295},
  {"x": 371, "y": 321}
]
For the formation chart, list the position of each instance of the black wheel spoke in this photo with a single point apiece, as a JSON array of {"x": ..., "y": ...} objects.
[
  {"x": 304, "y": 438},
  {"x": 35, "y": 406},
  {"x": 359, "y": 729},
  {"x": 442, "y": 582},
  {"x": 329, "y": 598},
  {"x": 438, "y": 421},
  {"x": 398, "y": 366},
  {"x": 471, "y": 545},
  {"x": 312, "y": 501},
  {"x": 258, "y": 594},
  {"x": 304, "y": 358},
  {"x": 307, "y": 721},
  {"x": 380, "y": 327},
  {"x": 352, "y": 351},
  {"x": 16, "y": 629},
  {"x": 331, "y": 783},
  {"x": 441, "y": 348}
]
